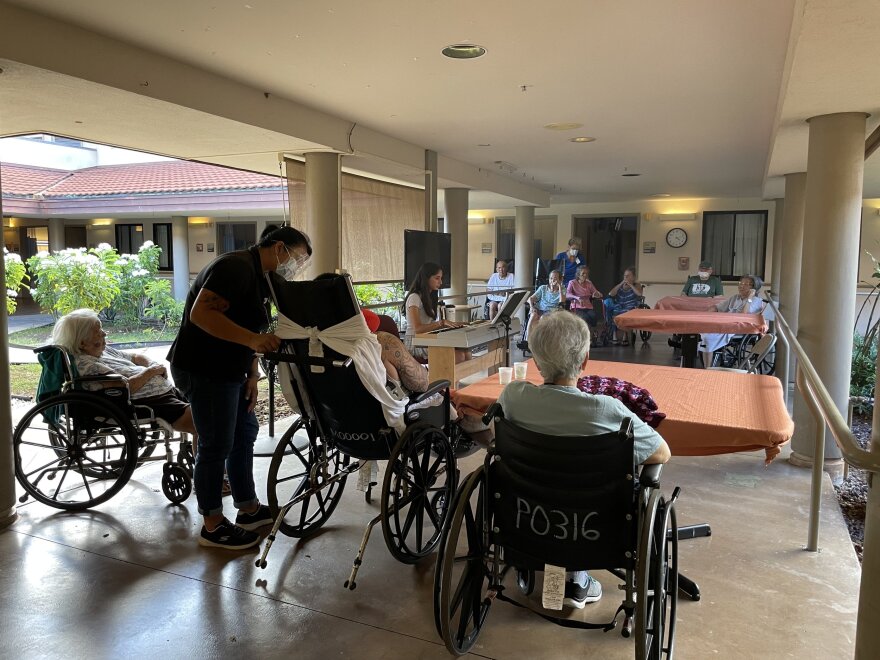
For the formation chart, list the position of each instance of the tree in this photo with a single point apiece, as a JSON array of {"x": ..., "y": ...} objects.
[{"x": 16, "y": 274}]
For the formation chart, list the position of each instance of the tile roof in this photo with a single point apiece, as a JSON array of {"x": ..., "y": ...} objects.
[
  {"x": 26, "y": 181},
  {"x": 165, "y": 177}
]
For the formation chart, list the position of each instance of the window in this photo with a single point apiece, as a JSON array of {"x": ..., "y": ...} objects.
[
  {"x": 735, "y": 242},
  {"x": 129, "y": 238},
  {"x": 235, "y": 236},
  {"x": 162, "y": 238}
]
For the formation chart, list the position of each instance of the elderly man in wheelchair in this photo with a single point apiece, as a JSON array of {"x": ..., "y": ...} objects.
[{"x": 560, "y": 492}]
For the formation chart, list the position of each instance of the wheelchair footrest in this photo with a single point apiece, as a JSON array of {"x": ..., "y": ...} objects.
[{"x": 694, "y": 531}]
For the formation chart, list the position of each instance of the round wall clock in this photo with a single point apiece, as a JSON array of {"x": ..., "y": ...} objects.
[{"x": 676, "y": 237}]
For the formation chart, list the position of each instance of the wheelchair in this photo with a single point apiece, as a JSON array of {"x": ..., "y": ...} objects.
[
  {"x": 342, "y": 430},
  {"x": 608, "y": 329},
  {"x": 732, "y": 354},
  {"x": 577, "y": 503},
  {"x": 77, "y": 448}
]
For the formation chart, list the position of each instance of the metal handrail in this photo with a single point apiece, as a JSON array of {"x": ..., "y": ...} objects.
[{"x": 825, "y": 412}]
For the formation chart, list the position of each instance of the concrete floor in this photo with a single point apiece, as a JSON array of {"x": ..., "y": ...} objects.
[{"x": 128, "y": 578}]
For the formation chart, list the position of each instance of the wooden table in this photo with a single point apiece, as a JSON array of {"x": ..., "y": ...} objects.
[
  {"x": 690, "y": 325},
  {"x": 707, "y": 412}
]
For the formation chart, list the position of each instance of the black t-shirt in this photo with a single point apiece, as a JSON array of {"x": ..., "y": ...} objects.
[{"x": 236, "y": 277}]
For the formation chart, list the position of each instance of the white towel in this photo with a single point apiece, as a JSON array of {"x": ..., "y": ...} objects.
[{"x": 353, "y": 339}]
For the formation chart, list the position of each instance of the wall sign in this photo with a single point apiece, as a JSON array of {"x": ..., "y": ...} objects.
[
  {"x": 684, "y": 263},
  {"x": 486, "y": 248},
  {"x": 649, "y": 247}
]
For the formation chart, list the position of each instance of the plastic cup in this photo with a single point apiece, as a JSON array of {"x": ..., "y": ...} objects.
[
  {"x": 505, "y": 375},
  {"x": 520, "y": 369}
]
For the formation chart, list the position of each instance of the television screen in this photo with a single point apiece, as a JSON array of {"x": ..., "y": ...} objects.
[{"x": 420, "y": 247}]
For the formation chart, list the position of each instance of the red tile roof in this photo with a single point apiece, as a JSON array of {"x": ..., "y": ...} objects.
[
  {"x": 26, "y": 181},
  {"x": 165, "y": 177}
]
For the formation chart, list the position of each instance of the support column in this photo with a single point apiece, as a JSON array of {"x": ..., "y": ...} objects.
[
  {"x": 456, "y": 202},
  {"x": 524, "y": 250},
  {"x": 775, "y": 273},
  {"x": 8, "y": 514},
  {"x": 829, "y": 269},
  {"x": 430, "y": 190},
  {"x": 867, "y": 630},
  {"x": 789, "y": 289},
  {"x": 323, "y": 201},
  {"x": 180, "y": 255},
  {"x": 56, "y": 234}
]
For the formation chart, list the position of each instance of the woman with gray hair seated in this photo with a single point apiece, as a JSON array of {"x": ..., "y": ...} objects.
[
  {"x": 560, "y": 345},
  {"x": 80, "y": 333}
]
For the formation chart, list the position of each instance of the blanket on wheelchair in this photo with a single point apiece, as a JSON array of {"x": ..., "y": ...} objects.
[
  {"x": 351, "y": 338},
  {"x": 637, "y": 399}
]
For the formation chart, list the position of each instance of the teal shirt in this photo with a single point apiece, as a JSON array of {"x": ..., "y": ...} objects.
[{"x": 562, "y": 410}]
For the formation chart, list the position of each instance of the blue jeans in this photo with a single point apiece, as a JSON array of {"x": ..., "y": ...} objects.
[{"x": 227, "y": 432}]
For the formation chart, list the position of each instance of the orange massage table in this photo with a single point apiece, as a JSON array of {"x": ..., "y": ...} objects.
[{"x": 689, "y": 303}]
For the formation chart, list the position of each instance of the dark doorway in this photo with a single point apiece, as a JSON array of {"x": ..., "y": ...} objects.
[
  {"x": 74, "y": 237},
  {"x": 609, "y": 244}
]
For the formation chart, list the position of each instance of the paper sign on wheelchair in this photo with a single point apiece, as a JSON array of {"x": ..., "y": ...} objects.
[{"x": 554, "y": 587}]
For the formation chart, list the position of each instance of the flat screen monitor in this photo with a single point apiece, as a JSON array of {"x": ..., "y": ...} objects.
[
  {"x": 508, "y": 308},
  {"x": 420, "y": 247}
]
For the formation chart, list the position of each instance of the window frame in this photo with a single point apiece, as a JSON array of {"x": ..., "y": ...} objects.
[
  {"x": 762, "y": 266},
  {"x": 128, "y": 226},
  {"x": 170, "y": 247}
]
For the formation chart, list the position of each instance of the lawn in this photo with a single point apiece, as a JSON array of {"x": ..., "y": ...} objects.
[
  {"x": 115, "y": 335},
  {"x": 24, "y": 378}
]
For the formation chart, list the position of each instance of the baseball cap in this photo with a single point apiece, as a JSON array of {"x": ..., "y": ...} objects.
[
  {"x": 705, "y": 265},
  {"x": 371, "y": 318}
]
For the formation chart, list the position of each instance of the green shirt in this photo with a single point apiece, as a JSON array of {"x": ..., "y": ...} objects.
[{"x": 703, "y": 288}]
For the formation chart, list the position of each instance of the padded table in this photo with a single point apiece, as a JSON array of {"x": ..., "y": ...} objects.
[
  {"x": 707, "y": 412},
  {"x": 689, "y": 303},
  {"x": 690, "y": 325}
]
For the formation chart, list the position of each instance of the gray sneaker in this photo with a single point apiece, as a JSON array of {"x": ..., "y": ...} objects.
[
  {"x": 577, "y": 594},
  {"x": 228, "y": 536}
]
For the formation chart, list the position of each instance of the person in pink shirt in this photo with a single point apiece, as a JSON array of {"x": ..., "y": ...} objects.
[{"x": 582, "y": 293}]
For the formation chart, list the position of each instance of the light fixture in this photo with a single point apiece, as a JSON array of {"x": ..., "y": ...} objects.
[
  {"x": 563, "y": 126},
  {"x": 631, "y": 174},
  {"x": 464, "y": 51},
  {"x": 678, "y": 216},
  {"x": 661, "y": 195},
  {"x": 582, "y": 138}
]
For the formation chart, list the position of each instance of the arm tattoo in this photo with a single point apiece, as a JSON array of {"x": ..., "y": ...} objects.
[{"x": 212, "y": 301}]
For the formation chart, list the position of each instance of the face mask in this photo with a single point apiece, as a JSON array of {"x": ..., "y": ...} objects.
[
  {"x": 573, "y": 252},
  {"x": 703, "y": 275},
  {"x": 289, "y": 268}
]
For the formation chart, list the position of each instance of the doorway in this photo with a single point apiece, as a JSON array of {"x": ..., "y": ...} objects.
[
  {"x": 75, "y": 237},
  {"x": 609, "y": 244}
]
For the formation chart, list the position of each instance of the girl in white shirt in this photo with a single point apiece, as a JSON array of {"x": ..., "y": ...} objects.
[{"x": 421, "y": 307}]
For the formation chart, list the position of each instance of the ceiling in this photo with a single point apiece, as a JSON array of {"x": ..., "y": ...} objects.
[{"x": 702, "y": 98}]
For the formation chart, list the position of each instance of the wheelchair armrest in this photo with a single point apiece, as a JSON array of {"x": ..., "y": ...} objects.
[
  {"x": 494, "y": 411},
  {"x": 649, "y": 477},
  {"x": 433, "y": 388},
  {"x": 99, "y": 377}
]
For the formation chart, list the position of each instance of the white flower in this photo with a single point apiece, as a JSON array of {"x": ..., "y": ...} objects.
[
  {"x": 33, "y": 292},
  {"x": 122, "y": 261},
  {"x": 12, "y": 256},
  {"x": 147, "y": 244},
  {"x": 104, "y": 246},
  {"x": 11, "y": 294},
  {"x": 140, "y": 272}
]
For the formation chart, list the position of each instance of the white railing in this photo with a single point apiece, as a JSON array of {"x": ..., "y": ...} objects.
[{"x": 825, "y": 412}]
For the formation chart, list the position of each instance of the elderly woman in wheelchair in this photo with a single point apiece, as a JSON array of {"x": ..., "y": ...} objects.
[
  {"x": 744, "y": 301},
  {"x": 332, "y": 366},
  {"x": 560, "y": 491},
  {"x": 100, "y": 413}
]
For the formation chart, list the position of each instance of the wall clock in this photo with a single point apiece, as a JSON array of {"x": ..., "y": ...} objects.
[{"x": 676, "y": 237}]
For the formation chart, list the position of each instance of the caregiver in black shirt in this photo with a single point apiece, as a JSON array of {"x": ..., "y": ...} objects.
[{"x": 213, "y": 361}]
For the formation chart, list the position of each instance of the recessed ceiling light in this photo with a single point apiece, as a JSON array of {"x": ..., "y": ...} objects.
[
  {"x": 484, "y": 145},
  {"x": 661, "y": 195},
  {"x": 563, "y": 126},
  {"x": 464, "y": 51},
  {"x": 630, "y": 174},
  {"x": 582, "y": 138}
]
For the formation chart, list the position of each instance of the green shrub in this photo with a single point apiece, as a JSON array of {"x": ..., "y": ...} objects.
[
  {"x": 74, "y": 278},
  {"x": 16, "y": 274},
  {"x": 864, "y": 371},
  {"x": 134, "y": 272},
  {"x": 162, "y": 306}
]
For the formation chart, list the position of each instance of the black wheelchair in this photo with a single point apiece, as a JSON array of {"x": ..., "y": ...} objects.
[
  {"x": 342, "y": 428},
  {"x": 732, "y": 354},
  {"x": 77, "y": 448},
  {"x": 572, "y": 502}
]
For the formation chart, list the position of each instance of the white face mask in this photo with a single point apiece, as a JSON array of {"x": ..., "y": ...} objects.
[
  {"x": 289, "y": 268},
  {"x": 573, "y": 252},
  {"x": 703, "y": 275}
]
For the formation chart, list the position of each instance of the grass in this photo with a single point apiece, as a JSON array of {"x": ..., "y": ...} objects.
[
  {"x": 115, "y": 335},
  {"x": 24, "y": 378}
]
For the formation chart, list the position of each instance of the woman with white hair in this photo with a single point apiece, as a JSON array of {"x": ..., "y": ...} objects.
[
  {"x": 82, "y": 336},
  {"x": 560, "y": 345}
]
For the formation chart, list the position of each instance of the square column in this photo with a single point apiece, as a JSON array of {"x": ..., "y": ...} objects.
[{"x": 323, "y": 201}]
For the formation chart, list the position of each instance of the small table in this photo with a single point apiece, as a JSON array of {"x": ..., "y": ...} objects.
[
  {"x": 689, "y": 303},
  {"x": 690, "y": 325},
  {"x": 707, "y": 412}
]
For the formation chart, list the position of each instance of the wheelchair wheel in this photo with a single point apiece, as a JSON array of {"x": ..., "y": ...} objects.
[
  {"x": 418, "y": 486},
  {"x": 74, "y": 451},
  {"x": 186, "y": 459},
  {"x": 644, "y": 335},
  {"x": 176, "y": 483},
  {"x": 297, "y": 470},
  {"x": 463, "y": 573},
  {"x": 657, "y": 580},
  {"x": 525, "y": 581}
]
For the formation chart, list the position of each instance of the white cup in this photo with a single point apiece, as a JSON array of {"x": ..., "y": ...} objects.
[
  {"x": 505, "y": 375},
  {"x": 520, "y": 369}
]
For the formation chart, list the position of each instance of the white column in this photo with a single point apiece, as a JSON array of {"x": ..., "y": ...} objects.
[
  {"x": 430, "y": 190},
  {"x": 56, "y": 234},
  {"x": 524, "y": 250},
  {"x": 180, "y": 255},
  {"x": 323, "y": 211},
  {"x": 867, "y": 630},
  {"x": 789, "y": 288},
  {"x": 8, "y": 514},
  {"x": 829, "y": 268},
  {"x": 778, "y": 239},
  {"x": 456, "y": 202}
]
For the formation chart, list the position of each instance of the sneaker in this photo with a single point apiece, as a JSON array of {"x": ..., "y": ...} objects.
[
  {"x": 259, "y": 518},
  {"x": 577, "y": 595},
  {"x": 227, "y": 489},
  {"x": 226, "y": 535}
]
